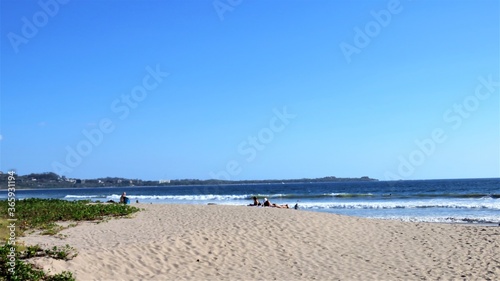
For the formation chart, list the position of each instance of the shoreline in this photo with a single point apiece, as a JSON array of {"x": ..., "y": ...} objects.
[
  {"x": 435, "y": 201},
  {"x": 466, "y": 220},
  {"x": 222, "y": 242},
  {"x": 472, "y": 223}
]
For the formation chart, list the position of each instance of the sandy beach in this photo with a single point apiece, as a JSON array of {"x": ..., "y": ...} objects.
[{"x": 215, "y": 242}]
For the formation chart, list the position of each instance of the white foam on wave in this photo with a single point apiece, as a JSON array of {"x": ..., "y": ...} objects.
[
  {"x": 181, "y": 197},
  {"x": 81, "y": 196},
  {"x": 443, "y": 219},
  {"x": 488, "y": 203}
]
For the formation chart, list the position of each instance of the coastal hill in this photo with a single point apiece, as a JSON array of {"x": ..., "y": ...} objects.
[{"x": 52, "y": 180}]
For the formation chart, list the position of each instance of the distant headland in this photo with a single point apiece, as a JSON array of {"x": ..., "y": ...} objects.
[{"x": 52, "y": 180}]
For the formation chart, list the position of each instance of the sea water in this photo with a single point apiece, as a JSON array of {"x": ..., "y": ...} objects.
[{"x": 462, "y": 200}]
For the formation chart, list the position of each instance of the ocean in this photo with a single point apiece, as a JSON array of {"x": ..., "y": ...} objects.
[{"x": 447, "y": 201}]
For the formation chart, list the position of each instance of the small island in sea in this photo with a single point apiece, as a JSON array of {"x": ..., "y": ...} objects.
[{"x": 53, "y": 180}]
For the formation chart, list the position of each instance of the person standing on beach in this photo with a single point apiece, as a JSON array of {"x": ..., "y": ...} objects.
[{"x": 123, "y": 198}]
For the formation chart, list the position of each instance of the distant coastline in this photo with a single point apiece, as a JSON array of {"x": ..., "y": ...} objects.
[{"x": 52, "y": 180}]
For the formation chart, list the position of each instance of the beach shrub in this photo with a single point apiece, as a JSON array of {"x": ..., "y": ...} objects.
[
  {"x": 24, "y": 271},
  {"x": 61, "y": 253},
  {"x": 44, "y": 213}
]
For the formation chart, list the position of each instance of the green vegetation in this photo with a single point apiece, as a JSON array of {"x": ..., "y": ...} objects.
[
  {"x": 43, "y": 214},
  {"x": 25, "y": 271},
  {"x": 4, "y": 231}
]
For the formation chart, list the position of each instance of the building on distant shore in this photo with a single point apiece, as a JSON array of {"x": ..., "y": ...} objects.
[{"x": 163, "y": 181}]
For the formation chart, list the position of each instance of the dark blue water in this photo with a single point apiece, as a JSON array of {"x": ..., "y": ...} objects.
[{"x": 464, "y": 200}]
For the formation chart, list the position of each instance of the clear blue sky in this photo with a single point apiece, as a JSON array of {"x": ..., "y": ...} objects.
[{"x": 255, "y": 89}]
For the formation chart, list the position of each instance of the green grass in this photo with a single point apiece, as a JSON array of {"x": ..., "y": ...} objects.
[{"x": 44, "y": 214}]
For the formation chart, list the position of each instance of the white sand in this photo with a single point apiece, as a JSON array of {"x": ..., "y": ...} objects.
[{"x": 194, "y": 242}]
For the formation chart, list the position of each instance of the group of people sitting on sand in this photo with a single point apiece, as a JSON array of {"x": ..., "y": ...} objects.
[{"x": 267, "y": 203}]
